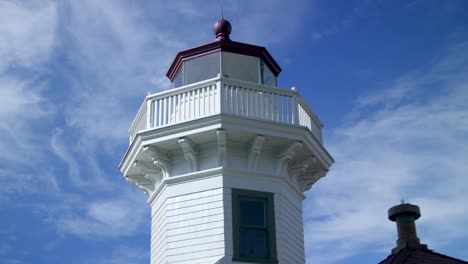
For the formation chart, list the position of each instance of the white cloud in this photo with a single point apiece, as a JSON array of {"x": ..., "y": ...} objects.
[
  {"x": 28, "y": 33},
  {"x": 18, "y": 102},
  {"x": 99, "y": 219},
  {"x": 28, "y": 38},
  {"x": 412, "y": 147},
  {"x": 64, "y": 154},
  {"x": 20, "y": 107}
]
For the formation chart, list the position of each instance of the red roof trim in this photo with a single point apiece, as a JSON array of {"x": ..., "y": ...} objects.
[{"x": 223, "y": 45}]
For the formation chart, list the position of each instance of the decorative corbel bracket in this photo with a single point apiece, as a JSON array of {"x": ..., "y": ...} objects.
[
  {"x": 144, "y": 184},
  {"x": 285, "y": 157},
  {"x": 254, "y": 152},
  {"x": 188, "y": 147},
  {"x": 146, "y": 176},
  {"x": 221, "y": 138},
  {"x": 300, "y": 168},
  {"x": 160, "y": 158},
  {"x": 306, "y": 181}
]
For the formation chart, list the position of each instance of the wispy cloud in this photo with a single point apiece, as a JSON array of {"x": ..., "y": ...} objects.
[
  {"x": 412, "y": 146},
  {"x": 104, "y": 218},
  {"x": 62, "y": 152},
  {"x": 28, "y": 33},
  {"x": 28, "y": 38}
]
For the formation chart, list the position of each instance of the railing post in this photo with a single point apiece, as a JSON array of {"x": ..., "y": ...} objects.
[
  {"x": 148, "y": 113},
  {"x": 220, "y": 87},
  {"x": 295, "y": 107}
]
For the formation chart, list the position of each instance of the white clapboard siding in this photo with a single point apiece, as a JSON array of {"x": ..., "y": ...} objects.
[
  {"x": 189, "y": 228},
  {"x": 158, "y": 234},
  {"x": 289, "y": 232}
]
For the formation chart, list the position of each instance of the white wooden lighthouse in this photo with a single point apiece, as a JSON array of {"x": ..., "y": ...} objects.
[{"x": 225, "y": 157}]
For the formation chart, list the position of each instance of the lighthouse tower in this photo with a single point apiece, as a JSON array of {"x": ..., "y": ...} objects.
[{"x": 225, "y": 157}]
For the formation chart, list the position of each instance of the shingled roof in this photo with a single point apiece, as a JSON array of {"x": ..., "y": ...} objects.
[{"x": 420, "y": 256}]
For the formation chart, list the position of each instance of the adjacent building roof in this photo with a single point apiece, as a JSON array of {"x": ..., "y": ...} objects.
[
  {"x": 409, "y": 250},
  {"x": 420, "y": 256}
]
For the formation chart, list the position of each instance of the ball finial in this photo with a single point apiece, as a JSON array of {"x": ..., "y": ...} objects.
[{"x": 222, "y": 28}]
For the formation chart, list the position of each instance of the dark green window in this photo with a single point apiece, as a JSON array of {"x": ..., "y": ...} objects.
[{"x": 253, "y": 226}]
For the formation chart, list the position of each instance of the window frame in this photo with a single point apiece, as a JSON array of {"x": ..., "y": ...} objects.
[{"x": 237, "y": 196}]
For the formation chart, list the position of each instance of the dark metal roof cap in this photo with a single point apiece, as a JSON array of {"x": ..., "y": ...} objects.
[
  {"x": 404, "y": 209},
  {"x": 222, "y": 29}
]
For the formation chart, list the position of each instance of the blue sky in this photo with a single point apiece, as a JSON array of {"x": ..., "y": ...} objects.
[{"x": 389, "y": 79}]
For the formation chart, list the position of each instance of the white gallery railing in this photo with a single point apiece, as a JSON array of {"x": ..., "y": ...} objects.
[{"x": 222, "y": 95}]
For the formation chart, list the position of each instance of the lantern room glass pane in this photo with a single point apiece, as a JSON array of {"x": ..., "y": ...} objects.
[
  {"x": 268, "y": 78},
  {"x": 202, "y": 68},
  {"x": 241, "y": 67},
  {"x": 179, "y": 78}
]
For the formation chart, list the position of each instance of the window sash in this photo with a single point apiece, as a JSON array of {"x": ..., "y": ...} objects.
[{"x": 269, "y": 228}]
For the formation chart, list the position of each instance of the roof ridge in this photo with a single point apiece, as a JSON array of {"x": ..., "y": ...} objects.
[
  {"x": 445, "y": 256},
  {"x": 409, "y": 253},
  {"x": 393, "y": 258}
]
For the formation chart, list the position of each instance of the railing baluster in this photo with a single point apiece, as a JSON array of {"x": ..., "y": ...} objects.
[
  {"x": 231, "y": 99},
  {"x": 159, "y": 112},
  {"x": 240, "y": 102},
  {"x": 295, "y": 111},
  {"x": 235, "y": 105},
  {"x": 277, "y": 96},
  {"x": 270, "y": 106},
  {"x": 200, "y": 102},
  {"x": 248, "y": 100},
  {"x": 179, "y": 108},
  {"x": 207, "y": 100},
  {"x": 215, "y": 99},
  {"x": 170, "y": 116},
  {"x": 228, "y": 96},
  {"x": 260, "y": 105},
  {"x": 148, "y": 113},
  {"x": 164, "y": 111},
  {"x": 196, "y": 102},
  {"x": 183, "y": 108},
  {"x": 192, "y": 105}
]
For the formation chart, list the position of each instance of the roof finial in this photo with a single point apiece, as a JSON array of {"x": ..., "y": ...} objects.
[{"x": 222, "y": 28}]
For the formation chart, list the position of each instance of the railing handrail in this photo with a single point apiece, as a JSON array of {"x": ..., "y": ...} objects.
[
  {"x": 309, "y": 111},
  {"x": 138, "y": 117},
  {"x": 221, "y": 82},
  {"x": 182, "y": 89},
  {"x": 259, "y": 87}
]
